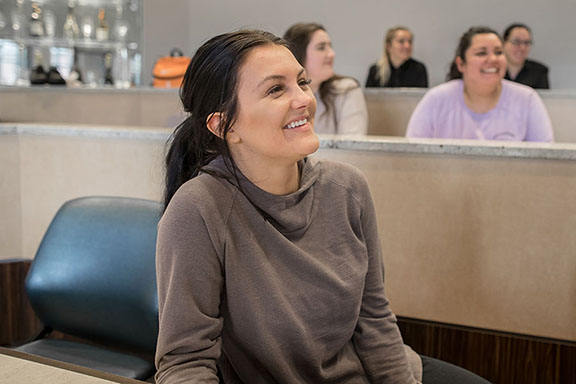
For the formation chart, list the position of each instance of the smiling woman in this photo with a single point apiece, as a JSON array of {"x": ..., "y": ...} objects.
[
  {"x": 341, "y": 105},
  {"x": 268, "y": 261},
  {"x": 517, "y": 45},
  {"x": 477, "y": 103},
  {"x": 396, "y": 67}
]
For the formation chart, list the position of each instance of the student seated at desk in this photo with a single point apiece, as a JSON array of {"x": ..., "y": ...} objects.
[
  {"x": 517, "y": 45},
  {"x": 341, "y": 104},
  {"x": 477, "y": 103},
  {"x": 396, "y": 67},
  {"x": 269, "y": 263}
]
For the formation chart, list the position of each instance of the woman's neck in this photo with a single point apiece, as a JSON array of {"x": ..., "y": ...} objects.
[
  {"x": 396, "y": 62},
  {"x": 315, "y": 85},
  {"x": 514, "y": 69},
  {"x": 481, "y": 100},
  {"x": 277, "y": 179}
]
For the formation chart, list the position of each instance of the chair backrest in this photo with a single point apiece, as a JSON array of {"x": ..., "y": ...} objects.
[{"x": 94, "y": 273}]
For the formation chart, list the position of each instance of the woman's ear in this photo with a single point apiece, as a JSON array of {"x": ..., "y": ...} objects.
[
  {"x": 213, "y": 123},
  {"x": 459, "y": 64}
]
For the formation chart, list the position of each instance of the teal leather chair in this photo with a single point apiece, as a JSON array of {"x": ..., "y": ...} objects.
[{"x": 94, "y": 278}]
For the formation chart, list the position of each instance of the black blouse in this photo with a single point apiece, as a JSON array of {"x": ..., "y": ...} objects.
[
  {"x": 533, "y": 74},
  {"x": 411, "y": 73}
]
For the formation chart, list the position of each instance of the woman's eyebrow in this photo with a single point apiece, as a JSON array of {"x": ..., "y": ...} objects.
[
  {"x": 277, "y": 77},
  {"x": 271, "y": 77}
]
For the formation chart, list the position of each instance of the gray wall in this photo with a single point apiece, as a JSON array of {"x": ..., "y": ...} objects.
[{"x": 357, "y": 28}]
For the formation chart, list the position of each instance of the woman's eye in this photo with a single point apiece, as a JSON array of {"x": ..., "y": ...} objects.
[
  {"x": 304, "y": 82},
  {"x": 275, "y": 90}
]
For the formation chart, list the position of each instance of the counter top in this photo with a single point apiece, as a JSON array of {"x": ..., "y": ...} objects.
[
  {"x": 99, "y": 89},
  {"x": 419, "y": 92},
  {"x": 414, "y": 92},
  {"x": 525, "y": 150}
]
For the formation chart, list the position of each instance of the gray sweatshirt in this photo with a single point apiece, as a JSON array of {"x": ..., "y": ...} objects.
[{"x": 275, "y": 289}]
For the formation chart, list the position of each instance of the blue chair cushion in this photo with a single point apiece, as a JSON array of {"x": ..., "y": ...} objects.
[{"x": 91, "y": 356}]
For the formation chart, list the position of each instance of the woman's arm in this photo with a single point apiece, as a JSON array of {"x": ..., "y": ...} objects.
[
  {"x": 422, "y": 77},
  {"x": 352, "y": 114},
  {"x": 543, "y": 82},
  {"x": 372, "y": 79},
  {"x": 190, "y": 282},
  {"x": 421, "y": 121},
  {"x": 539, "y": 125},
  {"x": 377, "y": 337}
]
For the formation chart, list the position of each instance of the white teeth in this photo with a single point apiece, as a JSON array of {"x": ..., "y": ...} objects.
[
  {"x": 491, "y": 70},
  {"x": 298, "y": 123}
]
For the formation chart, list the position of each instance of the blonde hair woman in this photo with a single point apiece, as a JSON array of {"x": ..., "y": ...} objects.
[{"x": 396, "y": 67}]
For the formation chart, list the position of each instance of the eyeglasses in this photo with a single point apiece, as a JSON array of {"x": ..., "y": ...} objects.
[
  {"x": 518, "y": 43},
  {"x": 403, "y": 41}
]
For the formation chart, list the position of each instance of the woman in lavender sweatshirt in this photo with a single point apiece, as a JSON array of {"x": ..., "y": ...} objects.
[{"x": 477, "y": 103}]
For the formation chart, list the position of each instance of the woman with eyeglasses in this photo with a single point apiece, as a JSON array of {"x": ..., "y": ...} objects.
[
  {"x": 517, "y": 45},
  {"x": 396, "y": 67},
  {"x": 476, "y": 103}
]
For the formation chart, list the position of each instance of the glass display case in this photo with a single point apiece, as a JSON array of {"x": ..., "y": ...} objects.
[{"x": 78, "y": 43}]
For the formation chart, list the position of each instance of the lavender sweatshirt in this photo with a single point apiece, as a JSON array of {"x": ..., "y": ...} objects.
[
  {"x": 275, "y": 289},
  {"x": 519, "y": 115}
]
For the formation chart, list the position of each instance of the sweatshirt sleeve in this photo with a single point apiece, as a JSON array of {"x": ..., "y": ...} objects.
[
  {"x": 422, "y": 79},
  {"x": 372, "y": 78},
  {"x": 377, "y": 338},
  {"x": 421, "y": 121},
  {"x": 539, "y": 125},
  {"x": 352, "y": 113},
  {"x": 190, "y": 282}
]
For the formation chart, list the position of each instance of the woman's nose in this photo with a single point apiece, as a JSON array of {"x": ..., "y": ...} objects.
[
  {"x": 331, "y": 52},
  {"x": 303, "y": 99}
]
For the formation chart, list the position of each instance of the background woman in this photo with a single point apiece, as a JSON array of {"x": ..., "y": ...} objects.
[
  {"x": 396, "y": 67},
  {"x": 477, "y": 103},
  {"x": 341, "y": 104},
  {"x": 517, "y": 44}
]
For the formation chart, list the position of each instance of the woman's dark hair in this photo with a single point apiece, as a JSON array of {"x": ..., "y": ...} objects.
[
  {"x": 209, "y": 86},
  {"x": 463, "y": 46},
  {"x": 509, "y": 29},
  {"x": 298, "y": 37}
]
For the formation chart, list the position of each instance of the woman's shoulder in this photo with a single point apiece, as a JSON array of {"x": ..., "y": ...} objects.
[
  {"x": 343, "y": 174},
  {"x": 344, "y": 84},
  {"x": 535, "y": 66},
  {"x": 202, "y": 195},
  {"x": 518, "y": 92},
  {"x": 417, "y": 64},
  {"x": 447, "y": 90},
  {"x": 517, "y": 88}
]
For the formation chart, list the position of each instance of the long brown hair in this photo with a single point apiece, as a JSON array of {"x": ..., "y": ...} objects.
[{"x": 298, "y": 37}]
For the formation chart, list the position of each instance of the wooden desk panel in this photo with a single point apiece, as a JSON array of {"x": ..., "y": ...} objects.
[{"x": 17, "y": 320}]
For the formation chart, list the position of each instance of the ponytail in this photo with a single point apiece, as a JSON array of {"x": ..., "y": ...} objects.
[{"x": 190, "y": 148}]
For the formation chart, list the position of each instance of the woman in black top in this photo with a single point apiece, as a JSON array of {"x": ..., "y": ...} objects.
[
  {"x": 517, "y": 44},
  {"x": 396, "y": 67}
]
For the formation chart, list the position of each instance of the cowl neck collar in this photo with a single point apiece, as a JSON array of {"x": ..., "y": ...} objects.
[{"x": 288, "y": 213}]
